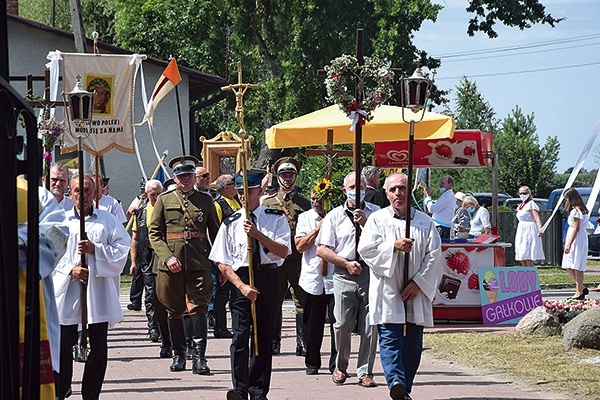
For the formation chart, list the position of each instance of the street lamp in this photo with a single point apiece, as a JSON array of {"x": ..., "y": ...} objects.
[
  {"x": 414, "y": 93},
  {"x": 79, "y": 104}
]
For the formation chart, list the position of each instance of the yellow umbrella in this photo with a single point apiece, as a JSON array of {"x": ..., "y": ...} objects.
[{"x": 387, "y": 125}]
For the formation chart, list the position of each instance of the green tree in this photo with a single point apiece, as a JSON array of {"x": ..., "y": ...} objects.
[{"x": 521, "y": 160}]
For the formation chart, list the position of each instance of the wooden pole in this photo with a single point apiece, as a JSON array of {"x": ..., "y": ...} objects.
[
  {"x": 82, "y": 236},
  {"x": 180, "y": 123},
  {"x": 358, "y": 136}
]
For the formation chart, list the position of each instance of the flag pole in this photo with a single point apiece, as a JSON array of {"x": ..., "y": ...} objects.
[{"x": 180, "y": 123}]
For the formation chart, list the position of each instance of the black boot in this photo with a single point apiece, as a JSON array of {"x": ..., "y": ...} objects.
[
  {"x": 177, "y": 332},
  {"x": 199, "y": 365},
  {"x": 189, "y": 334},
  {"x": 165, "y": 347},
  {"x": 300, "y": 341}
]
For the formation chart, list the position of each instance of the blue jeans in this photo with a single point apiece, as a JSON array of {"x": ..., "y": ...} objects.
[{"x": 400, "y": 355}]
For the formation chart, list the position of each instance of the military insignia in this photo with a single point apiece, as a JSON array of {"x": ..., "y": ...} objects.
[
  {"x": 200, "y": 216},
  {"x": 232, "y": 218},
  {"x": 273, "y": 211}
]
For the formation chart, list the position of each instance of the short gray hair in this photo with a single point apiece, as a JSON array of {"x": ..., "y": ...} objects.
[
  {"x": 369, "y": 172},
  {"x": 155, "y": 184},
  {"x": 222, "y": 181}
]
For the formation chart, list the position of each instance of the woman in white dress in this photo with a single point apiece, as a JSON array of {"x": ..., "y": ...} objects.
[
  {"x": 528, "y": 242},
  {"x": 576, "y": 243}
]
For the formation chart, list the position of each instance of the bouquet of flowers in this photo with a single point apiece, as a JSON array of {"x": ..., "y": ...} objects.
[
  {"x": 51, "y": 131},
  {"x": 566, "y": 310},
  {"x": 324, "y": 191}
]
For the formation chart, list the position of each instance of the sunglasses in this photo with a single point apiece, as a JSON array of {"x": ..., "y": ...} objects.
[{"x": 206, "y": 175}]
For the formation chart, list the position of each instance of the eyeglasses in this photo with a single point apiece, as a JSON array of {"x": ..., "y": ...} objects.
[
  {"x": 524, "y": 194},
  {"x": 206, "y": 175}
]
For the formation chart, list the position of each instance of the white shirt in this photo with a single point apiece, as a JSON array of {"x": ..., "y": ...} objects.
[
  {"x": 337, "y": 231},
  {"x": 442, "y": 211},
  {"x": 112, "y": 205},
  {"x": 53, "y": 233},
  {"x": 67, "y": 203},
  {"x": 311, "y": 275},
  {"x": 231, "y": 244},
  {"x": 480, "y": 220},
  {"x": 111, "y": 248},
  {"x": 376, "y": 247}
]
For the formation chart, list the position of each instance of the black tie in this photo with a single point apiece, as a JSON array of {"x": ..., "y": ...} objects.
[{"x": 255, "y": 245}]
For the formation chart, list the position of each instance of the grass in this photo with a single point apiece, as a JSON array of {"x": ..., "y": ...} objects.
[
  {"x": 125, "y": 283},
  {"x": 540, "y": 361},
  {"x": 558, "y": 276}
]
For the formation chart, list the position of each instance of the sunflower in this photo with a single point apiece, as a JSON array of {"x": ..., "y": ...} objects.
[{"x": 324, "y": 191}]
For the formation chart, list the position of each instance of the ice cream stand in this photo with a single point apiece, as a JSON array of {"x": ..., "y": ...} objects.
[{"x": 458, "y": 291}]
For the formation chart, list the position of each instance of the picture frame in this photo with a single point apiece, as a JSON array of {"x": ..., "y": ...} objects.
[{"x": 221, "y": 157}]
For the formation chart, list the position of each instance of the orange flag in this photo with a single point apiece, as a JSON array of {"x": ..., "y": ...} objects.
[{"x": 167, "y": 81}]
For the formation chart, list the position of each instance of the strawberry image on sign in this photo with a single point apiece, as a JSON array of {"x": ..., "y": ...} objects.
[
  {"x": 469, "y": 151},
  {"x": 443, "y": 150},
  {"x": 473, "y": 283},
  {"x": 458, "y": 262}
]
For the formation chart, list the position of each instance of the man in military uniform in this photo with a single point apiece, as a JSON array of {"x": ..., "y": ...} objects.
[
  {"x": 178, "y": 233},
  {"x": 292, "y": 204},
  {"x": 270, "y": 244}
]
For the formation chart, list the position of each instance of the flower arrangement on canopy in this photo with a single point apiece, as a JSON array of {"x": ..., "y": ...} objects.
[{"x": 373, "y": 80}]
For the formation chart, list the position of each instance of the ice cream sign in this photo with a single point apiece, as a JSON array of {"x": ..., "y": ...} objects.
[
  {"x": 465, "y": 149},
  {"x": 508, "y": 293}
]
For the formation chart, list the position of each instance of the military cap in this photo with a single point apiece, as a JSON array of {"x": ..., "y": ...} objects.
[
  {"x": 168, "y": 183},
  {"x": 105, "y": 181},
  {"x": 255, "y": 177},
  {"x": 286, "y": 164},
  {"x": 183, "y": 165}
]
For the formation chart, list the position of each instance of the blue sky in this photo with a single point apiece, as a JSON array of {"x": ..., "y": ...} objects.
[{"x": 565, "y": 100}]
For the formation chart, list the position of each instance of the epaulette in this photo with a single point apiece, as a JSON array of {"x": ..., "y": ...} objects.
[
  {"x": 232, "y": 218},
  {"x": 273, "y": 211}
]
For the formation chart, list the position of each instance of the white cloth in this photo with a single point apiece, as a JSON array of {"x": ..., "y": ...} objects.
[
  {"x": 376, "y": 247},
  {"x": 67, "y": 203},
  {"x": 311, "y": 274},
  {"x": 111, "y": 248},
  {"x": 337, "y": 231},
  {"x": 231, "y": 244},
  {"x": 53, "y": 234},
  {"x": 528, "y": 245},
  {"x": 442, "y": 211},
  {"x": 479, "y": 221},
  {"x": 113, "y": 206},
  {"x": 577, "y": 256}
]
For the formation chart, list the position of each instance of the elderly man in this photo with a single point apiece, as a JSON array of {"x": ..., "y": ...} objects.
[
  {"x": 60, "y": 178},
  {"x": 226, "y": 204},
  {"x": 106, "y": 249},
  {"x": 374, "y": 195},
  {"x": 142, "y": 253},
  {"x": 383, "y": 246},
  {"x": 178, "y": 233},
  {"x": 270, "y": 244},
  {"x": 336, "y": 245},
  {"x": 316, "y": 278},
  {"x": 292, "y": 204},
  {"x": 203, "y": 182},
  {"x": 442, "y": 211}
]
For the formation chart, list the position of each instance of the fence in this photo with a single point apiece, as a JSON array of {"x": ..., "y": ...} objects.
[{"x": 551, "y": 240}]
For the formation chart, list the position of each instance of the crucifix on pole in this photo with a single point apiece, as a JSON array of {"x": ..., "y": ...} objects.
[
  {"x": 330, "y": 153},
  {"x": 239, "y": 89}
]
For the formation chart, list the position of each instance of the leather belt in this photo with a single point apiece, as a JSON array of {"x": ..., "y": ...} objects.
[{"x": 187, "y": 235}]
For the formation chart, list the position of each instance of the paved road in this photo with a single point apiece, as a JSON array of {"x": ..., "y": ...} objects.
[{"x": 135, "y": 372}]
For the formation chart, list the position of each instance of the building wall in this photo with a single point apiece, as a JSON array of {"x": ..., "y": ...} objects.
[{"x": 122, "y": 168}]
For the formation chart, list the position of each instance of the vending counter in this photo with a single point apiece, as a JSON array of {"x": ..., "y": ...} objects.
[{"x": 457, "y": 295}]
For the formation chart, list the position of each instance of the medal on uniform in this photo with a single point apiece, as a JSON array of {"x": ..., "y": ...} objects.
[{"x": 200, "y": 216}]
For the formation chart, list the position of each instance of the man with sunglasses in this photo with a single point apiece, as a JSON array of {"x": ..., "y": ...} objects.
[
  {"x": 181, "y": 220},
  {"x": 203, "y": 182}
]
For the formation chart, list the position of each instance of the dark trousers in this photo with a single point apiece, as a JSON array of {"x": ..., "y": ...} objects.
[
  {"x": 251, "y": 374},
  {"x": 221, "y": 297},
  {"x": 144, "y": 279},
  {"x": 95, "y": 366},
  {"x": 315, "y": 310},
  {"x": 289, "y": 272}
]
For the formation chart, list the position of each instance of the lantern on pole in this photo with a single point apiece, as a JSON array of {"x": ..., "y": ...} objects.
[{"x": 80, "y": 109}]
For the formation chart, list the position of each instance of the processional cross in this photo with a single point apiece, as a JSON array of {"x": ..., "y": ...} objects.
[
  {"x": 239, "y": 89},
  {"x": 330, "y": 153}
]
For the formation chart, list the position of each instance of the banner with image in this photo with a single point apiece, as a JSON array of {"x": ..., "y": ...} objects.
[
  {"x": 508, "y": 293},
  {"x": 112, "y": 77}
]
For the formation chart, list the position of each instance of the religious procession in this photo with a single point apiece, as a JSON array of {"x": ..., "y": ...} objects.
[{"x": 317, "y": 236}]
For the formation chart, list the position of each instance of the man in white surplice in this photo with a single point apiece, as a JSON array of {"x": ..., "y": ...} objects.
[{"x": 383, "y": 246}]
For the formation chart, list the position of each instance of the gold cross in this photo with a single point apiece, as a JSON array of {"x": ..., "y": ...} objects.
[{"x": 239, "y": 96}]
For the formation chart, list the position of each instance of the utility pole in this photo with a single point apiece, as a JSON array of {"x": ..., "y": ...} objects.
[{"x": 77, "y": 21}]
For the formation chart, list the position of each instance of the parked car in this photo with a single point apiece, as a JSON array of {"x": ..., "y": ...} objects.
[
  {"x": 593, "y": 238},
  {"x": 514, "y": 202},
  {"x": 485, "y": 199}
]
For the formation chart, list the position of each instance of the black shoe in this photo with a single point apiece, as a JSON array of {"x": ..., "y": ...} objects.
[
  {"x": 580, "y": 297},
  {"x": 312, "y": 371},
  {"x": 300, "y": 350},
  {"x": 134, "y": 307},
  {"x": 166, "y": 352},
  {"x": 222, "y": 334},
  {"x": 276, "y": 349},
  {"x": 398, "y": 391},
  {"x": 153, "y": 335},
  {"x": 200, "y": 367},
  {"x": 178, "y": 364},
  {"x": 211, "y": 320},
  {"x": 259, "y": 397},
  {"x": 233, "y": 395},
  {"x": 586, "y": 291}
]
